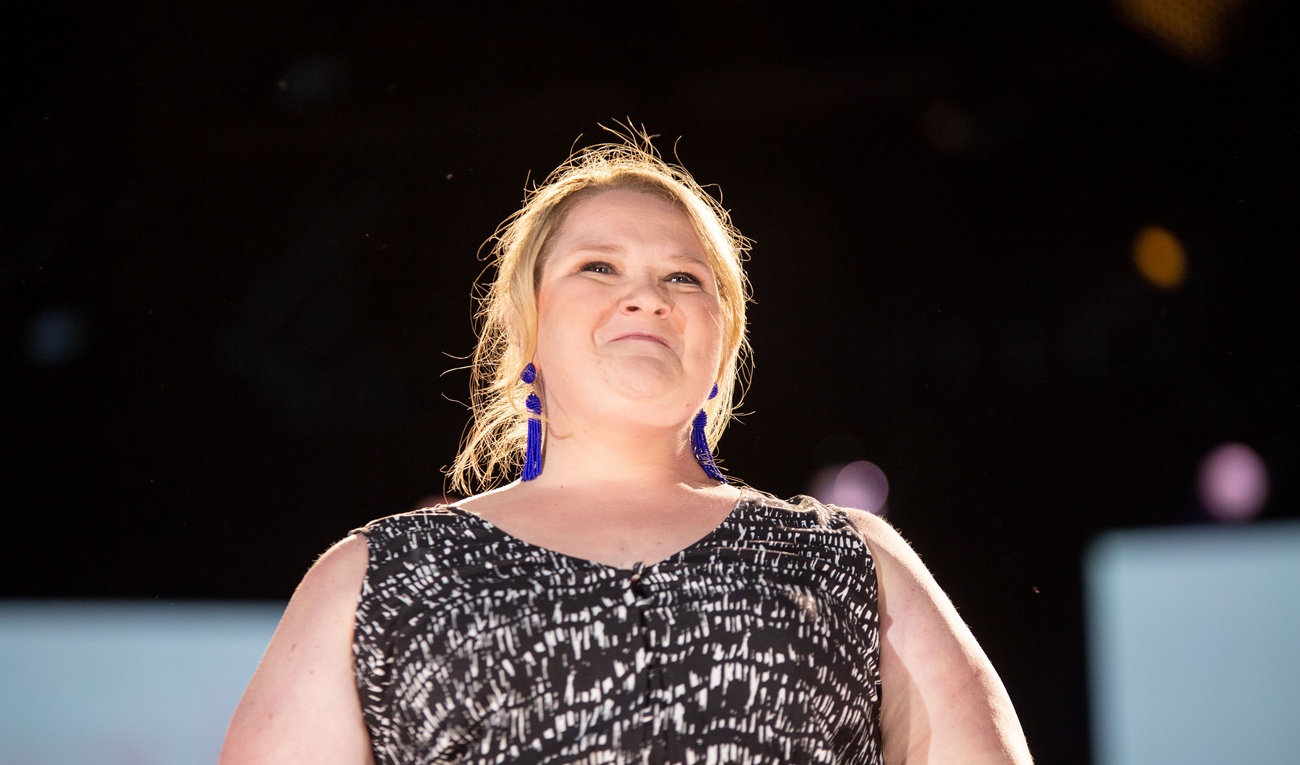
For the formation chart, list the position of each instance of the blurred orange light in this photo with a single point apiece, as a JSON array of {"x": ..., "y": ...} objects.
[
  {"x": 1193, "y": 29},
  {"x": 1160, "y": 257}
]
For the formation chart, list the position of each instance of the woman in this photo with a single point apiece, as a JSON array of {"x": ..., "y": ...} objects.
[{"x": 621, "y": 602}]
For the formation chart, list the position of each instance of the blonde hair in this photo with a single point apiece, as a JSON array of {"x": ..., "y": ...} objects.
[{"x": 493, "y": 444}]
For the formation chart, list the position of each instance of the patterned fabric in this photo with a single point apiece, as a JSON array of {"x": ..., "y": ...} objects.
[{"x": 759, "y": 643}]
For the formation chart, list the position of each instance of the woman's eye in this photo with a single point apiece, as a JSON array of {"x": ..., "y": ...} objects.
[
  {"x": 681, "y": 277},
  {"x": 597, "y": 267}
]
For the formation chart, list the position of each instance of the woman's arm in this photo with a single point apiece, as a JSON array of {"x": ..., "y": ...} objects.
[
  {"x": 942, "y": 701},
  {"x": 302, "y": 704}
]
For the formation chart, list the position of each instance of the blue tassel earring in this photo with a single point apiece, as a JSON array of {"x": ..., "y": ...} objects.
[
  {"x": 533, "y": 453},
  {"x": 700, "y": 443}
]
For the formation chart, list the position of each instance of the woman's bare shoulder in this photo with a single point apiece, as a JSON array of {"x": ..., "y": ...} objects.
[
  {"x": 943, "y": 699},
  {"x": 301, "y": 705},
  {"x": 347, "y": 556},
  {"x": 874, "y": 528},
  {"x": 892, "y": 554},
  {"x": 327, "y": 594}
]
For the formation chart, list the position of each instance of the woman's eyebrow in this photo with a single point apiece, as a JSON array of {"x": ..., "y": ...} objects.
[
  {"x": 691, "y": 260},
  {"x": 609, "y": 249},
  {"x": 605, "y": 248}
]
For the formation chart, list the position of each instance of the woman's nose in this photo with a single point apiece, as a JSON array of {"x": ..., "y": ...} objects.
[{"x": 647, "y": 295}]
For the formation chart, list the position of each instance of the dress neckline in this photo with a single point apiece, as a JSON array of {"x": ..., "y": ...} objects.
[{"x": 745, "y": 499}]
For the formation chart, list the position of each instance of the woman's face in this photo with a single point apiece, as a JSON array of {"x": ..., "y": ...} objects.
[{"x": 628, "y": 319}]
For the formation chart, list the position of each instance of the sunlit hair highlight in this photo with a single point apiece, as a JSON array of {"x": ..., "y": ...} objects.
[{"x": 493, "y": 446}]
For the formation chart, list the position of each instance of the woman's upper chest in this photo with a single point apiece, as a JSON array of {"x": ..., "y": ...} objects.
[{"x": 619, "y": 530}]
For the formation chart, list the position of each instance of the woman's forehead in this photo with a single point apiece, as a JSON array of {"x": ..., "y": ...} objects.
[
  {"x": 622, "y": 202},
  {"x": 612, "y": 220}
]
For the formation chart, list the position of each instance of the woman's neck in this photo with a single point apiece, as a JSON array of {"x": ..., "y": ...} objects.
[{"x": 642, "y": 458}]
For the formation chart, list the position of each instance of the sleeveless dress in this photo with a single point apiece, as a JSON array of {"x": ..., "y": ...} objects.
[{"x": 759, "y": 643}]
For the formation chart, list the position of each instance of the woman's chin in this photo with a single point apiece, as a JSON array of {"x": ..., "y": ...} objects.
[
  {"x": 647, "y": 402},
  {"x": 642, "y": 377},
  {"x": 664, "y": 392}
]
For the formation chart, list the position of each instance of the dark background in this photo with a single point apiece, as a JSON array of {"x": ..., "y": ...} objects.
[{"x": 238, "y": 241}]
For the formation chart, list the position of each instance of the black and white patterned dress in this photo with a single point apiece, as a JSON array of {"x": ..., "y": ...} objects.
[{"x": 759, "y": 643}]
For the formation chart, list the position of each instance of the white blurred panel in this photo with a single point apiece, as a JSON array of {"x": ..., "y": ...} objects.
[
  {"x": 1194, "y": 645},
  {"x": 112, "y": 683}
]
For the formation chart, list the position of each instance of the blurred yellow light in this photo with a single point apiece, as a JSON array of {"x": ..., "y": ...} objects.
[{"x": 1159, "y": 257}]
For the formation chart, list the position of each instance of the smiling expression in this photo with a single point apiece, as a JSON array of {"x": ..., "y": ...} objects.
[{"x": 629, "y": 323}]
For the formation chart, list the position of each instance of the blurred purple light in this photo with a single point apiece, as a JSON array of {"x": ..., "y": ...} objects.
[
  {"x": 1232, "y": 483},
  {"x": 858, "y": 484}
]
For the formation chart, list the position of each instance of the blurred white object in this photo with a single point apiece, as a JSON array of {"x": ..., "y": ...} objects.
[
  {"x": 117, "y": 682},
  {"x": 1192, "y": 645}
]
